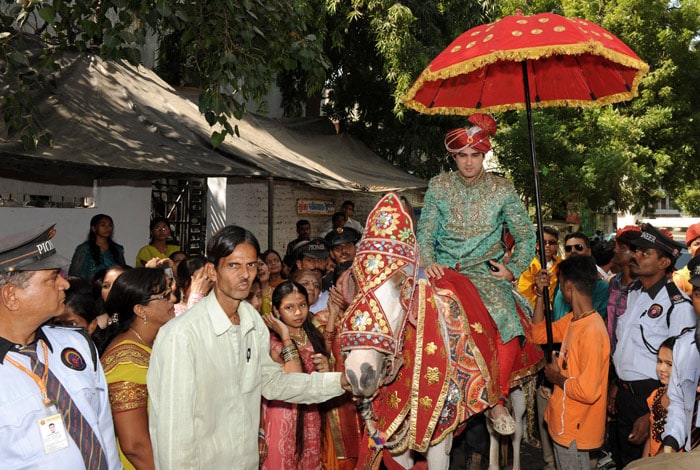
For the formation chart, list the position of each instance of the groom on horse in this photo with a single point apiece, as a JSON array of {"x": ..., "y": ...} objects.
[{"x": 460, "y": 230}]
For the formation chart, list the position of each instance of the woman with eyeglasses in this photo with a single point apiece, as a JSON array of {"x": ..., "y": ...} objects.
[
  {"x": 143, "y": 301},
  {"x": 159, "y": 246},
  {"x": 526, "y": 282}
]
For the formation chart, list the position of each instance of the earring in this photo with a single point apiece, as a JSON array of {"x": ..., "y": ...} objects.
[{"x": 145, "y": 319}]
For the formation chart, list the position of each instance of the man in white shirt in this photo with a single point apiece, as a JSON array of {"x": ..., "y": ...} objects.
[
  {"x": 656, "y": 309},
  {"x": 209, "y": 369},
  {"x": 54, "y": 406}
]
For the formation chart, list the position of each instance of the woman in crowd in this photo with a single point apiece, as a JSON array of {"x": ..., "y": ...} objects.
[
  {"x": 265, "y": 288},
  {"x": 82, "y": 308},
  {"x": 177, "y": 257},
  {"x": 274, "y": 263},
  {"x": 192, "y": 283},
  {"x": 255, "y": 295},
  {"x": 158, "y": 247},
  {"x": 102, "y": 283},
  {"x": 311, "y": 280},
  {"x": 293, "y": 432},
  {"x": 143, "y": 301},
  {"x": 99, "y": 251},
  {"x": 658, "y": 400}
]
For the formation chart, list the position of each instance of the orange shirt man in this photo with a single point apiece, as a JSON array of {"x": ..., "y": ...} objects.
[{"x": 576, "y": 410}]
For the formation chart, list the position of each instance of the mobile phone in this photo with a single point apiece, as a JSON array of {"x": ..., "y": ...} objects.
[
  {"x": 491, "y": 266},
  {"x": 169, "y": 272}
]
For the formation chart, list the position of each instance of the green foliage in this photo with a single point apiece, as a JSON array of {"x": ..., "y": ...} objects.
[
  {"x": 232, "y": 50},
  {"x": 365, "y": 54},
  {"x": 624, "y": 153}
]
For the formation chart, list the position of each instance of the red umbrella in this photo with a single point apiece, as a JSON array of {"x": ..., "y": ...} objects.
[
  {"x": 570, "y": 62},
  {"x": 523, "y": 61}
]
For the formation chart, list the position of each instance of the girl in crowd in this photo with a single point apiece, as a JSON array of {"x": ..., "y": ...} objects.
[
  {"x": 658, "y": 400},
  {"x": 274, "y": 263},
  {"x": 143, "y": 301},
  {"x": 265, "y": 288},
  {"x": 99, "y": 251},
  {"x": 158, "y": 246},
  {"x": 192, "y": 283},
  {"x": 293, "y": 432}
]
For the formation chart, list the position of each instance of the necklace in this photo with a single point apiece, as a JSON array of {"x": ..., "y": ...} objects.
[
  {"x": 586, "y": 313},
  {"x": 138, "y": 336},
  {"x": 299, "y": 339}
]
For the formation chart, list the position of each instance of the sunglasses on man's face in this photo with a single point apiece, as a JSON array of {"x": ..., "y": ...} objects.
[
  {"x": 551, "y": 242},
  {"x": 576, "y": 247}
]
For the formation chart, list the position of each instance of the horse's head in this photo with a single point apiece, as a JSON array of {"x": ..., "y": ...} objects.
[{"x": 384, "y": 268}]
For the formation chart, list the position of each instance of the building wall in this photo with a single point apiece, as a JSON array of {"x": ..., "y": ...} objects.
[
  {"x": 240, "y": 201},
  {"x": 128, "y": 203},
  {"x": 247, "y": 206}
]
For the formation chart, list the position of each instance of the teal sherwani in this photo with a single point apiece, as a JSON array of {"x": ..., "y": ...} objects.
[{"x": 461, "y": 225}]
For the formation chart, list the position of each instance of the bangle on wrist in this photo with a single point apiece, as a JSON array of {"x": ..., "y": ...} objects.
[
  {"x": 289, "y": 353},
  {"x": 261, "y": 433},
  {"x": 538, "y": 294}
]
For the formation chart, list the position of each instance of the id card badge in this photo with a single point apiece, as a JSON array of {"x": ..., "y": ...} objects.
[{"x": 53, "y": 433}]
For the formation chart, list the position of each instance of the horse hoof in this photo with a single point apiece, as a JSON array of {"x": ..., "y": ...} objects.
[{"x": 504, "y": 425}]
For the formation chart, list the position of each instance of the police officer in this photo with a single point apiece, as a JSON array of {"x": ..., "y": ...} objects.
[
  {"x": 684, "y": 378},
  {"x": 54, "y": 407},
  {"x": 656, "y": 309},
  {"x": 342, "y": 242}
]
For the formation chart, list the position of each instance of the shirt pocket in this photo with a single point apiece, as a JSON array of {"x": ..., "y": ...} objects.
[
  {"x": 19, "y": 432},
  {"x": 83, "y": 390}
]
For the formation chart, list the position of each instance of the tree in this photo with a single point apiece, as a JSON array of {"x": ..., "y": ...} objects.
[
  {"x": 630, "y": 153},
  {"x": 234, "y": 48}
]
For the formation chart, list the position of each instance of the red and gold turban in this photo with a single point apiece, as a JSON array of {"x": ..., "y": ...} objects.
[{"x": 477, "y": 137}]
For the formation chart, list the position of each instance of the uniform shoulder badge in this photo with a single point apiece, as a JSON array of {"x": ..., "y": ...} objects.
[{"x": 72, "y": 359}]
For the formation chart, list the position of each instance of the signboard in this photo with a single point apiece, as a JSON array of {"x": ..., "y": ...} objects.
[{"x": 315, "y": 207}]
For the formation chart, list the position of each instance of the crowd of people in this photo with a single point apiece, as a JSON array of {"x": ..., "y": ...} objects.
[{"x": 232, "y": 359}]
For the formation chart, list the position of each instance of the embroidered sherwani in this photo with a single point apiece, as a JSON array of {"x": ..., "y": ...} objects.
[{"x": 460, "y": 227}]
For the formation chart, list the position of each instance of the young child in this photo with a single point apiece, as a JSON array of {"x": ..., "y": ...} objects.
[
  {"x": 293, "y": 432},
  {"x": 658, "y": 400}
]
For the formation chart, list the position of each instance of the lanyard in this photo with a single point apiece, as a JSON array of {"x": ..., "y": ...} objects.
[{"x": 40, "y": 381}]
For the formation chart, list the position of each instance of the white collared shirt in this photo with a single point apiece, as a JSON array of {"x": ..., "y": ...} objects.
[{"x": 205, "y": 382}]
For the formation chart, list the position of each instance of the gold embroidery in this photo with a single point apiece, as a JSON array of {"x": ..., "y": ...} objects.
[
  {"x": 125, "y": 396},
  {"x": 393, "y": 400},
  {"x": 431, "y": 348},
  {"x": 125, "y": 352},
  {"x": 433, "y": 375},
  {"x": 426, "y": 402},
  {"x": 477, "y": 327}
]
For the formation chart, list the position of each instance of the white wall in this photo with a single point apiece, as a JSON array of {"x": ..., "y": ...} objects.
[
  {"x": 128, "y": 203},
  {"x": 240, "y": 201}
]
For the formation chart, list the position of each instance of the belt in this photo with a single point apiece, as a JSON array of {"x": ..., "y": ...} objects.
[{"x": 639, "y": 387}]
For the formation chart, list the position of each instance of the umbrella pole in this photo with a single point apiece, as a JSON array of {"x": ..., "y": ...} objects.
[{"x": 538, "y": 212}]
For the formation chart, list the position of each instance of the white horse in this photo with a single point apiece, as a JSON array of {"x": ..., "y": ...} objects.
[
  {"x": 496, "y": 450},
  {"x": 413, "y": 353}
]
